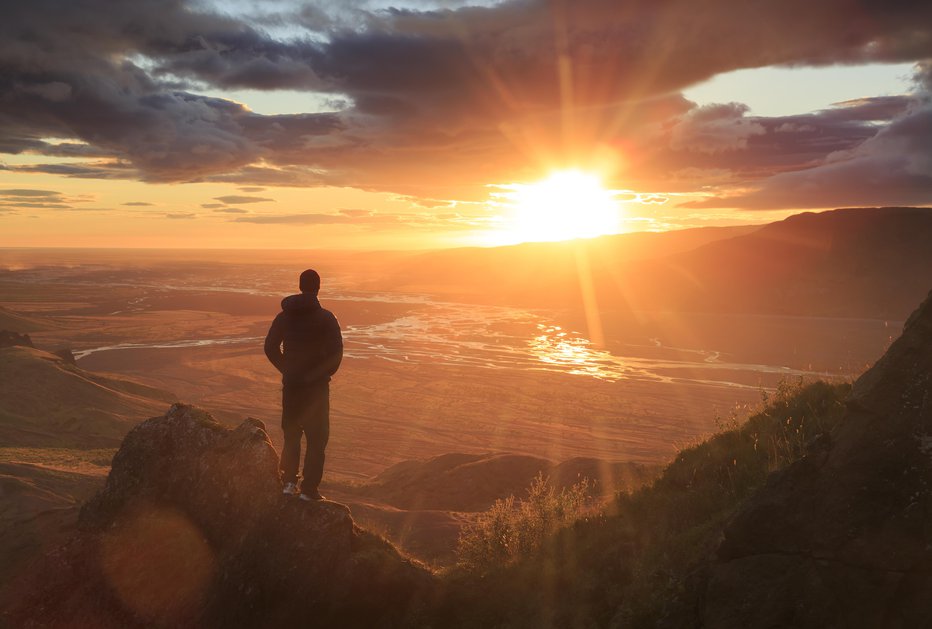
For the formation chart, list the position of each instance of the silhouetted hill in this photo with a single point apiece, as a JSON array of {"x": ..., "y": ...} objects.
[
  {"x": 472, "y": 482},
  {"x": 842, "y": 537},
  {"x": 867, "y": 262},
  {"x": 814, "y": 513},
  {"x": 541, "y": 273},
  {"x": 191, "y": 530},
  {"x": 860, "y": 263}
]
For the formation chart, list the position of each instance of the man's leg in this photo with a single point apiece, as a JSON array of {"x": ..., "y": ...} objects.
[
  {"x": 317, "y": 430},
  {"x": 291, "y": 426}
]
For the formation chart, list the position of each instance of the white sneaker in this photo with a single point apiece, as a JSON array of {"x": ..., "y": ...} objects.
[{"x": 290, "y": 489}]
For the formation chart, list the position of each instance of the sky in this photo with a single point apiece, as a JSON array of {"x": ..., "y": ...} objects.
[{"x": 383, "y": 125}]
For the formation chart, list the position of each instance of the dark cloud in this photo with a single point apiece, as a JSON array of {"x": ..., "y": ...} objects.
[
  {"x": 137, "y": 203},
  {"x": 295, "y": 219},
  {"x": 361, "y": 218},
  {"x": 35, "y": 199},
  {"x": 36, "y": 205},
  {"x": 234, "y": 198},
  {"x": 28, "y": 192},
  {"x": 439, "y": 103},
  {"x": 714, "y": 128},
  {"x": 87, "y": 170},
  {"x": 776, "y": 145},
  {"x": 893, "y": 167}
]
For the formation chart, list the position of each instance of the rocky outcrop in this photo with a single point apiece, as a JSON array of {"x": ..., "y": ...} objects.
[
  {"x": 12, "y": 339},
  {"x": 843, "y": 538},
  {"x": 66, "y": 355},
  {"x": 191, "y": 530}
]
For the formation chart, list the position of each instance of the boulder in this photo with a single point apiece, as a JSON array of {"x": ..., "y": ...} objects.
[
  {"x": 66, "y": 355},
  {"x": 192, "y": 530},
  {"x": 12, "y": 339},
  {"x": 843, "y": 537}
]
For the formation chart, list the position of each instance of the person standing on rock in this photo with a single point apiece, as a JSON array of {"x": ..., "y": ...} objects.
[{"x": 306, "y": 346}]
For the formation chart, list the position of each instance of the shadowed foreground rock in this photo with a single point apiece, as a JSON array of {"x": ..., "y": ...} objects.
[
  {"x": 843, "y": 538},
  {"x": 12, "y": 339},
  {"x": 191, "y": 530}
]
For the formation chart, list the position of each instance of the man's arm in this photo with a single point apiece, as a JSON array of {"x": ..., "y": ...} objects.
[
  {"x": 332, "y": 355},
  {"x": 273, "y": 345},
  {"x": 334, "y": 346}
]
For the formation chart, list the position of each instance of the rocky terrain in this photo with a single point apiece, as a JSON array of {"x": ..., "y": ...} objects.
[
  {"x": 843, "y": 538},
  {"x": 191, "y": 530}
]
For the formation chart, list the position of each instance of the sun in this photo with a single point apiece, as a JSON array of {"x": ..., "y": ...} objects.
[{"x": 566, "y": 205}]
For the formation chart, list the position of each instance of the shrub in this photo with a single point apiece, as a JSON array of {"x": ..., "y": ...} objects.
[{"x": 512, "y": 529}]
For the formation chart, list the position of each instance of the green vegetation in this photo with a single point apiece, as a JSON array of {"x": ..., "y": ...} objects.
[
  {"x": 515, "y": 529},
  {"x": 641, "y": 562}
]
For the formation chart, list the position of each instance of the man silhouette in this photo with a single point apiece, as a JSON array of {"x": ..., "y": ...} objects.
[{"x": 305, "y": 345}]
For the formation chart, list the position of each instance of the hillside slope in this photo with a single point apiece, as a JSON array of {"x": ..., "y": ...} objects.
[
  {"x": 866, "y": 262},
  {"x": 842, "y": 537},
  {"x": 191, "y": 530},
  {"x": 59, "y": 425},
  {"x": 823, "y": 500},
  {"x": 857, "y": 263},
  {"x": 47, "y": 402},
  {"x": 541, "y": 273}
]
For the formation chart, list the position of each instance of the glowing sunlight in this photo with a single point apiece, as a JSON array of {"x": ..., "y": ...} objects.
[{"x": 568, "y": 204}]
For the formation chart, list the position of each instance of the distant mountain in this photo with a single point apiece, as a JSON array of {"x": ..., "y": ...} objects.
[
  {"x": 868, "y": 262},
  {"x": 862, "y": 263},
  {"x": 541, "y": 273}
]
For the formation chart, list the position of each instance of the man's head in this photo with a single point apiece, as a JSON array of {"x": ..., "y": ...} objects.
[{"x": 309, "y": 282}]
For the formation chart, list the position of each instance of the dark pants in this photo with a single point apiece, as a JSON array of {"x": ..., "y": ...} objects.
[{"x": 305, "y": 410}]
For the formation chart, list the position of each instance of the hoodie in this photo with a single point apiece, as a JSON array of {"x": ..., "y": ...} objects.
[{"x": 304, "y": 342}]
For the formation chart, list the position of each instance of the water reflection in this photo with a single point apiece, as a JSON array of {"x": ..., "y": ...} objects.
[{"x": 574, "y": 354}]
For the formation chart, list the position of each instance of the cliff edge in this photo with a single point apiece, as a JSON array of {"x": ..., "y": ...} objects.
[
  {"x": 191, "y": 530},
  {"x": 843, "y": 537}
]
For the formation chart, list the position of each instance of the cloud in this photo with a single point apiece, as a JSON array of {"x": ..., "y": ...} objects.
[
  {"x": 35, "y": 199},
  {"x": 891, "y": 167},
  {"x": 233, "y": 198},
  {"x": 361, "y": 218},
  {"x": 435, "y": 103},
  {"x": 28, "y": 192},
  {"x": 231, "y": 210},
  {"x": 294, "y": 219},
  {"x": 181, "y": 215},
  {"x": 252, "y": 189},
  {"x": 714, "y": 128},
  {"x": 137, "y": 203}
]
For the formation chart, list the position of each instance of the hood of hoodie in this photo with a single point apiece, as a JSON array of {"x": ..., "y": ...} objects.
[{"x": 301, "y": 301}]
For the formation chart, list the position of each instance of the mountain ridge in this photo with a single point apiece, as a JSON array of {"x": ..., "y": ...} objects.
[{"x": 849, "y": 262}]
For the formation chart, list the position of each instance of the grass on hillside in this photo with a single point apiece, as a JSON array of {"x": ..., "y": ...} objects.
[{"x": 640, "y": 562}]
